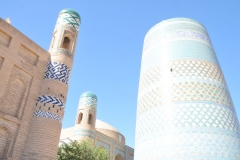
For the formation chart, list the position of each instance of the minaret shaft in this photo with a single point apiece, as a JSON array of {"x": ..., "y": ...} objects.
[{"x": 45, "y": 129}]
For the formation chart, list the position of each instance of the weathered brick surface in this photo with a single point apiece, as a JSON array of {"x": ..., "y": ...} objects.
[
  {"x": 32, "y": 95},
  {"x": 21, "y": 75}
]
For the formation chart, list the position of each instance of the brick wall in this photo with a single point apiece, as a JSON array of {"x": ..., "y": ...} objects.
[{"x": 22, "y": 67}]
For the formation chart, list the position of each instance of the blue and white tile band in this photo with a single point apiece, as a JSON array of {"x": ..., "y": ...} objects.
[
  {"x": 51, "y": 99},
  {"x": 183, "y": 34},
  {"x": 58, "y": 71},
  {"x": 47, "y": 115}
]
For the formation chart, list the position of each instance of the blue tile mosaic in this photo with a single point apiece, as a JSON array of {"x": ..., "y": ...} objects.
[
  {"x": 47, "y": 115},
  {"x": 50, "y": 99},
  {"x": 58, "y": 71}
]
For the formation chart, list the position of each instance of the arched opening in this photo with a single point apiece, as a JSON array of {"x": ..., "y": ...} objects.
[
  {"x": 66, "y": 43},
  {"x": 89, "y": 119},
  {"x": 14, "y": 95},
  {"x": 4, "y": 141},
  {"x": 79, "y": 119},
  {"x": 119, "y": 157}
]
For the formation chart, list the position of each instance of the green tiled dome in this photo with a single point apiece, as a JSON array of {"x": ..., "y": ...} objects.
[
  {"x": 68, "y": 10},
  {"x": 88, "y": 94},
  {"x": 69, "y": 17}
]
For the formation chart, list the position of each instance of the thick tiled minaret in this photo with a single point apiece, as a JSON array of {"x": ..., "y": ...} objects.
[
  {"x": 184, "y": 107},
  {"x": 44, "y": 133}
]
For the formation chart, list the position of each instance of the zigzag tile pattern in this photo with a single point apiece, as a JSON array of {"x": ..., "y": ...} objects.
[
  {"x": 47, "y": 115},
  {"x": 50, "y": 99},
  {"x": 58, "y": 71}
]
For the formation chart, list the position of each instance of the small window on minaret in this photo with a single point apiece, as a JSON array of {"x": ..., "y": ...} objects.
[
  {"x": 66, "y": 43},
  {"x": 79, "y": 120},
  {"x": 89, "y": 119}
]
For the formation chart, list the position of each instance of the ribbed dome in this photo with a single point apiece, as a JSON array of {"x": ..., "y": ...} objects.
[{"x": 88, "y": 94}]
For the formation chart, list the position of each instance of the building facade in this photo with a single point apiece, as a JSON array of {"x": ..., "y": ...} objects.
[
  {"x": 33, "y": 89},
  {"x": 184, "y": 107},
  {"x": 101, "y": 133}
]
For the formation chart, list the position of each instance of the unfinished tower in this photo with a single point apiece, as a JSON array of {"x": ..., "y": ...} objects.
[
  {"x": 184, "y": 107},
  {"x": 44, "y": 133}
]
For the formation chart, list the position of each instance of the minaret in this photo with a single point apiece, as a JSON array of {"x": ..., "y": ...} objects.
[
  {"x": 184, "y": 107},
  {"x": 44, "y": 133},
  {"x": 86, "y": 117}
]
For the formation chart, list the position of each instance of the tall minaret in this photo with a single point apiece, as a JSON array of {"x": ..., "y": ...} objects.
[
  {"x": 44, "y": 133},
  {"x": 86, "y": 117},
  {"x": 185, "y": 111}
]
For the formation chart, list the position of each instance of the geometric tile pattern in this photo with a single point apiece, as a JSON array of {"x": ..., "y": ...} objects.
[
  {"x": 185, "y": 91},
  {"x": 193, "y": 35},
  {"x": 47, "y": 115},
  {"x": 50, "y": 99},
  {"x": 200, "y": 91},
  {"x": 151, "y": 99},
  {"x": 194, "y": 69},
  {"x": 190, "y": 146},
  {"x": 187, "y": 115},
  {"x": 89, "y": 101},
  {"x": 150, "y": 77},
  {"x": 197, "y": 69},
  {"x": 58, "y": 71},
  {"x": 69, "y": 18}
]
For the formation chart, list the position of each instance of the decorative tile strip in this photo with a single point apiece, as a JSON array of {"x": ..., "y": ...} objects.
[
  {"x": 47, "y": 115},
  {"x": 178, "y": 34},
  {"x": 58, "y": 71},
  {"x": 50, "y": 99},
  {"x": 88, "y": 101}
]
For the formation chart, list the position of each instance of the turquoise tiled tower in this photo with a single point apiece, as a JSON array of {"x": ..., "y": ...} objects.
[
  {"x": 184, "y": 107},
  {"x": 86, "y": 117}
]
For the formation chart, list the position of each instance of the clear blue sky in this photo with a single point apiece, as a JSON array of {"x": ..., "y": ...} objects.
[{"x": 108, "y": 55}]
